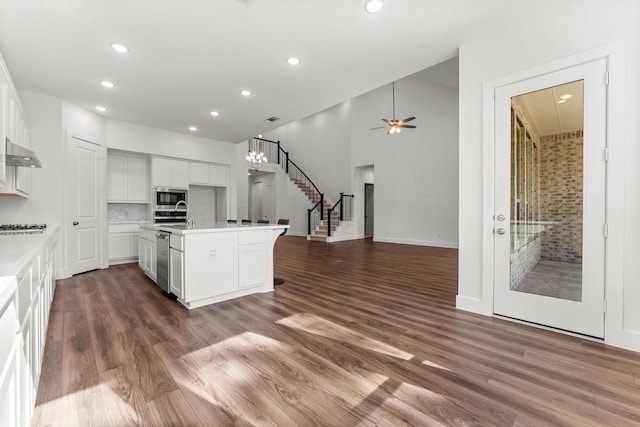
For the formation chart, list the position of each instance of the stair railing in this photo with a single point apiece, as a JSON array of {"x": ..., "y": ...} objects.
[
  {"x": 314, "y": 216},
  {"x": 275, "y": 154},
  {"x": 345, "y": 204}
]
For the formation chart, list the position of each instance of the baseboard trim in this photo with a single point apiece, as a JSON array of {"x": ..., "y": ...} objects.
[{"x": 437, "y": 244}]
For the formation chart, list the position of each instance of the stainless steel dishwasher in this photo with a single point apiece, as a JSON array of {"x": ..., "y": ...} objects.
[{"x": 162, "y": 263}]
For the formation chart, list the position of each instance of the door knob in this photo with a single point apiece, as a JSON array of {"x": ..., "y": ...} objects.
[
  {"x": 500, "y": 231},
  {"x": 75, "y": 223},
  {"x": 500, "y": 218}
]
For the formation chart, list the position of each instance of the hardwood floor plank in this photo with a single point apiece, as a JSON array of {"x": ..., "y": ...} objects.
[{"x": 360, "y": 333}]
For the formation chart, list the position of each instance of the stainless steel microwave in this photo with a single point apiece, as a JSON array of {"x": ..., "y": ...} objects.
[{"x": 167, "y": 198}]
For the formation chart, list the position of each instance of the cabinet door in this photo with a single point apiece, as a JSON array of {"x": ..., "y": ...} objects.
[
  {"x": 211, "y": 265},
  {"x": 137, "y": 180},
  {"x": 161, "y": 172},
  {"x": 118, "y": 245},
  {"x": 116, "y": 178},
  {"x": 179, "y": 174},
  {"x": 4, "y": 91},
  {"x": 176, "y": 272},
  {"x": 218, "y": 175},
  {"x": 152, "y": 260},
  {"x": 24, "y": 370},
  {"x": 198, "y": 173},
  {"x": 142, "y": 260},
  {"x": 9, "y": 388},
  {"x": 133, "y": 244}
]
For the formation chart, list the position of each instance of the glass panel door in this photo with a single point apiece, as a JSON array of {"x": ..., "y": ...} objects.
[{"x": 550, "y": 174}]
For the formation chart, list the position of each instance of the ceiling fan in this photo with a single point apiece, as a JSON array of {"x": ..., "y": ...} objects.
[{"x": 394, "y": 124}]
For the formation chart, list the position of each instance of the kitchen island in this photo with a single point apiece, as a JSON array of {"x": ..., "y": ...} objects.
[{"x": 213, "y": 262}]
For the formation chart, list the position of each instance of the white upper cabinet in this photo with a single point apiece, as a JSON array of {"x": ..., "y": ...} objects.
[
  {"x": 14, "y": 181},
  {"x": 170, "y": 173},
  {"x": 198, "y": 173},
  {"x": 127, "y": 179},
  {"x": 218, "y": 175},
  {"x": 208, "y": 174}
]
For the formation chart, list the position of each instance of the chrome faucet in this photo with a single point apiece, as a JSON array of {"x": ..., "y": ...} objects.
[{"x": 188, "y": 222}]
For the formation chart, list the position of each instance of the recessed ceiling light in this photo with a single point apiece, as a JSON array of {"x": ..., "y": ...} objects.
[
  {"x": 293, "y": 61},
  {"x": 562, "y": 101},
  {"x": 567, "y": 96},
  {"x": 101, "y": 108},
  {"x": 259, "y": 136},
  {"x": 215, "y": 113},
  {"x": 193, "y": 128},
  {"x": 373, "y": 6},
  {"x": 120, "y": 48},
  {"x": 245, "y": 93},
  {"x": 107, "y": 84}
]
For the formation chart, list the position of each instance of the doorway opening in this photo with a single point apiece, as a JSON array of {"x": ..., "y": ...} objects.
[
  {"x": 368, "y": 210},
  {"x": 262, "y": 196}
]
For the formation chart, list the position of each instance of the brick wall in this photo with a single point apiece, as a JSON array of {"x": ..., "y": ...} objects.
[{"x": 561, "y": 195}]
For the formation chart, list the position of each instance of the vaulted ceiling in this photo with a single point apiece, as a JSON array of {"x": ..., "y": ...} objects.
[{"x": 190, "y": 57}]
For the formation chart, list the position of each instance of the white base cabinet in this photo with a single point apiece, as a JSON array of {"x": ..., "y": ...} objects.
[
  {"x": 24, "y": 318},
  {"x": 123, "y": 243},
  {"x": 147, "y": 255}
]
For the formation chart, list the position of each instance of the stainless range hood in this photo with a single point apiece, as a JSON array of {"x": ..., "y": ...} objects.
[{"x": 21, "y": 156}]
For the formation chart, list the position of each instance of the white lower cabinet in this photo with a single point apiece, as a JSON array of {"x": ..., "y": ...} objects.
[
  {"x": 123, "y": 243},
  {"x": 23, "y": 330},
  {"x": 147, "y": 252},
  {"x": 176, "y": 272}
]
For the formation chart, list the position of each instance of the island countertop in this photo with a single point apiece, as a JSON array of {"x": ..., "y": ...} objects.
[{"x": 211, "y": 227}]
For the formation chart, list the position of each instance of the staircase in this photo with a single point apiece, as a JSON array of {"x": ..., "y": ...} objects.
[
  {"x": 318, "y": 229},
  {"x": 321, "y": 232}
]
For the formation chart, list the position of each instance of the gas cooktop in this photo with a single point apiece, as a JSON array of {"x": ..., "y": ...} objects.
[{"x": 17, "y": 229}]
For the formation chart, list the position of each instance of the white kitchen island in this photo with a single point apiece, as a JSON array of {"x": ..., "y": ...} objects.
[{"x": 213, "y": 262}]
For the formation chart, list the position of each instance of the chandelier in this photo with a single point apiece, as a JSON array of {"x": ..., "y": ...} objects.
[{"x": 256, "y": 159}]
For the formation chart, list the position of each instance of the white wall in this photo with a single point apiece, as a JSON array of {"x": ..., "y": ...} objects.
[
  {"x": 320, "y": 143},
  {"x": 573, "y": 28},
  {"x": 416, "y": 174},
  {"x": 44, "y": 115}
]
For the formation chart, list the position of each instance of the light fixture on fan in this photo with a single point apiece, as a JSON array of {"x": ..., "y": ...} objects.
[
  {"x": 256, "y": 159},
  {"x": 395, "y": 126}
]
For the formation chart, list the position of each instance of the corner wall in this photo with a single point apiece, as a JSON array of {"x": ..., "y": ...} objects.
[{"x": 510, "y": 50}]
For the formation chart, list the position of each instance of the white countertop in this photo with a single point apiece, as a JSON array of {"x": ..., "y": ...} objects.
[
  {"x": 17, "y": 250},
  {"x": 209, "y": 227}
]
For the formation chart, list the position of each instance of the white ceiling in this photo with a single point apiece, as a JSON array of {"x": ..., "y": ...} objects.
[
  {"x": 190, "y": 57},
  {"x": 550, "y": 117}
]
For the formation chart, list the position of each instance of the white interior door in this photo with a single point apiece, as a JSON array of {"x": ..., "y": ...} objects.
[
  {"x": 83, "y": 206},
  {"x": 267, "y": 202},
  {"x": 550, "y": 216}
]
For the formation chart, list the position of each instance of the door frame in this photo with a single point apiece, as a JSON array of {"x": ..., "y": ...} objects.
[
  {"x": 615, "y": 55},
  {"x": 103, "y": 245}
]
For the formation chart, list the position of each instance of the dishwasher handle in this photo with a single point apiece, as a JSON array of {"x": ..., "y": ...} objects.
[{"x": 162, "y": 236}]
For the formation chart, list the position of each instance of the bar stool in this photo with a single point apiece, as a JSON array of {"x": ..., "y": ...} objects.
[{"x": 281, "y": 221}]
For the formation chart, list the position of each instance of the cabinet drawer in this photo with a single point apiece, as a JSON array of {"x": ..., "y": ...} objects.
[
  {"x": 176, "y": 242},
  {"x": 148, "y": 234}
]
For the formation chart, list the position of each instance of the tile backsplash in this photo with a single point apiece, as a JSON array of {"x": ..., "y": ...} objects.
[{"x": 120, "y": 212}]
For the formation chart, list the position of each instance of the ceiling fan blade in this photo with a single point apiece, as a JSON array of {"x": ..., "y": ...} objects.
[
  {"x": 408, "y": 119},
  {"x": 387, "y": 121},
  {"x": 407, "y": 126},
  {"x": 379, "y": 127}
]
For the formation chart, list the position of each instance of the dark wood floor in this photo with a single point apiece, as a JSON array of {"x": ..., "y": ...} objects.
[{"x": 360, "y": 333}]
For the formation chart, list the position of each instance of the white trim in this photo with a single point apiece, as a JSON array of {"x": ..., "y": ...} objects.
[{"x": 434, "y": 243}]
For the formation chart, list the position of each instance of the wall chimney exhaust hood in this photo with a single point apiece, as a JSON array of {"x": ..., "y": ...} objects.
[{"x": 21, "y": 156}]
